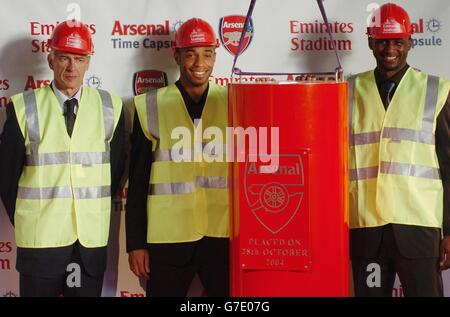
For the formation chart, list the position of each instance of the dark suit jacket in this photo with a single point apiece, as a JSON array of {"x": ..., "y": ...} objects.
[
  {"x": 171, "y": 254},
  {"x": 413, "y": 242},
  {"x": 52, "y": 262},
  {"x": 181, "y": 253}
]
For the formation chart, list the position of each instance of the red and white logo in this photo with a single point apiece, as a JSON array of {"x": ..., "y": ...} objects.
[
  {"x": 275, "y": 198},
  {"x": 392, "y": 26},
  {"x": 230, "y": 30},
  {"x": 145, "y": 80},
  {"x": 197, "y": 36}
]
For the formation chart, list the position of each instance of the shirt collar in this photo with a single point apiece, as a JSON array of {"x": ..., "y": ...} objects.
[
  {"x": 63, "y": 98},
  {"x": 395, "y": 79},
  {"x": 187, "y": 99}
]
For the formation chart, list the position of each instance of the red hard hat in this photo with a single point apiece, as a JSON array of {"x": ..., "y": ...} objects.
[
  {"x": 72, "y": 37},
  {"x": 195, "y": 32},
  {"x": 388, "y": 22}
]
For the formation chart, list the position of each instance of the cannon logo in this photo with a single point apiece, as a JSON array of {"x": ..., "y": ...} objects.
[
  {"x": 276, "y": 198},
  {"x": 145, "y": 80},
  {"x": 230, "y": 30}
]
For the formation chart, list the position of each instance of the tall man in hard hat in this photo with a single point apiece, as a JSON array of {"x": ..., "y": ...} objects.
[
  {"x": 61, "y": 158},
  {"x": 177, "y": 219},
  {"x": 399, "y": 167}
]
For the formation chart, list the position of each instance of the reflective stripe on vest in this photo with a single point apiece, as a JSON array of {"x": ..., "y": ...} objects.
[
  {"x": 409, "y": 170},
  {"x": 351, "y": 92},
  {"x": 363, "y": 173},
  {"x": 63, "y": 192},
  {"x": 108, "y": 113},
  {"x": 29, "y": 98},
  {"x": 177, "y": 155},
  {"x": 152, "y": 113},
  {"x": 365, "y": 138},
  {"x": 188, "y": 187},
  {"x": 86, "y": 158}
]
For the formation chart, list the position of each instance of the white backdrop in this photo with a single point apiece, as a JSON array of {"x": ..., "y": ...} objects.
[{"x": 287, "y": 37}]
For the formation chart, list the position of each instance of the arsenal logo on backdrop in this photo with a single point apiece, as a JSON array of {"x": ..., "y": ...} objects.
[
  {"x": 230, "y": 30},
  {"x": 146, "y": 80}
]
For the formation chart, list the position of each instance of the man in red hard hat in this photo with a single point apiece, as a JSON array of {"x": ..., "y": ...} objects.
[
  {"x": 177, "y": 217},
  {"x": 399, "y": 167},
  {"x": 61, "y": 159}
]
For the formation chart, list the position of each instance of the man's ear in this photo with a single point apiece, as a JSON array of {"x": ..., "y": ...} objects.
[
  {"x": 370, "y": 43},
  {"x": 410, "y": 42},
  {"x": 50, "y": 61},
  {"x": 177, "y": 57}
]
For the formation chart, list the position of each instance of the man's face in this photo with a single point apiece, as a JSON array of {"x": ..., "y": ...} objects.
[
  {"x": 68, "y": 69},
  {"x": 390, "y": 54},
  {"x": 196, "y": 64}
]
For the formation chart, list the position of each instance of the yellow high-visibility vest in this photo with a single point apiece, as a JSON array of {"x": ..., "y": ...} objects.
[
  {"x": 187, "y": 199},
  {"x": 64, "y": 189},
  {"x": 394, "y": 170}
]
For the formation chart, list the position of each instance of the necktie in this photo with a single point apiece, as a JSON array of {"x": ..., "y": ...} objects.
[
  {"x": 387, "y": 93},
  {"x": 69, "y": 114}
]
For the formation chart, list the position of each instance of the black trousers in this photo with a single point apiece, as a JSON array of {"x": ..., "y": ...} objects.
[
  {"x": 174, "y": 265},
  {"x": 375, "y": 277},
  {"x": 76, "y": 282}
]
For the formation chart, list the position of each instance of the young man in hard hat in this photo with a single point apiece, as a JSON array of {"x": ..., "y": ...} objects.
[
  {"x": 61, "y": 158},
  {"x": 177, "y": 217},
  {"x": 399, "y": 167}
]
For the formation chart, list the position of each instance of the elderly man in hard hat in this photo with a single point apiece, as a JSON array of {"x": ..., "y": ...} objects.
[
  {"x": 61, "y": 158},
  {"x": 177, "y": 217},
  {"x": 399, "y": 167}
]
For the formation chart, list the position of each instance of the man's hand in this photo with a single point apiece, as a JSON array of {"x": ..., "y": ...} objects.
[
  {"x": 139, "y": 263},
  {"x": 445, "y": 253}
]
